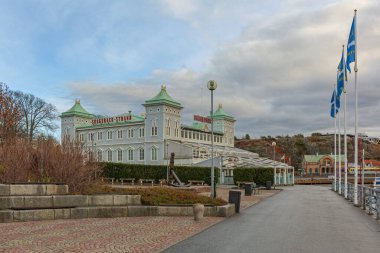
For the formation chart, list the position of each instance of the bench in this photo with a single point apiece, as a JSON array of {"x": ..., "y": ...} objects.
[
  {"x": 201, "y": 182},
  {"x": 146, "y": 181},
  {"x": 132, "y": 180},
  {"x": 109, "y": 179},
  {"x": 245, "y": 182},
  {"x": 162, "y": 181}
]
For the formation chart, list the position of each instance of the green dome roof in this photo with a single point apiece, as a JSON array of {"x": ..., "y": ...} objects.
[
  {"x": 77, "y": 110},
  {"x": 163, "y": 98},
  {"x": 221, "y": 114}
]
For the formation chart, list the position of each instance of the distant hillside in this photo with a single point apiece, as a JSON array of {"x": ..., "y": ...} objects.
[{"x": 293, "y": 148}]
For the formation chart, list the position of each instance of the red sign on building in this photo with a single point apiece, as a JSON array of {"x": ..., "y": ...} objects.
[
  {"x": 202, "y": 119},
  {"x": 111, "y": 120}
]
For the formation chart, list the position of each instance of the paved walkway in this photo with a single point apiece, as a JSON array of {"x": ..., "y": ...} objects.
[
  {"x": 309, "y": 219},
  {"x": 131, "y": 234}
]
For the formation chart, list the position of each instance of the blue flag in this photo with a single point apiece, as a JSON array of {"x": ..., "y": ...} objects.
[
  {"x": 341, "y": 75},
  {"x": 333, "y": 97},
  {"x": 332, "y": 111},
  {"x": 335, "y": 103},
  {"x": 351, "y": 45}
]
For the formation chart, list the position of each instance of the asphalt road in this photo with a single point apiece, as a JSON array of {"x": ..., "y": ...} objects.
[{"x": 299, "y": 219}]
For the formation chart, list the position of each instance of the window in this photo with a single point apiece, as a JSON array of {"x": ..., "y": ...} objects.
[
  {"x": 81, "y": 137},
  {"x": 100, "y": 155},
  {"x": 120, "y": 134},
  {"x": 120, "y": 155},
  {"x": 167, "y": 127},
  {"x": 176, "y": 131},
  {"x": 154, "y": 131},
  {"x": 203, "y": 153},
  {"x": 141, "y": 154},
  {"x": 154, "y": 154},
  {"x": 67, "y": 134},
  {"x": 100, "y": 136},
  {"x": 195, "y": 153},
  {"x": 130, "y": 133},
  {"x": 109, "y": 154},
  {"x": 130, "y": 154},
  {"x": 154, "y": 128},
  {"x": 141, "y": 132},
  {"x": 109, "y": 135},
  {"x": 90, "y": 136}
]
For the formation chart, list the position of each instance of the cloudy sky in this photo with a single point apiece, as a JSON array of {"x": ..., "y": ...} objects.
[{"x": 275, "y": 61}]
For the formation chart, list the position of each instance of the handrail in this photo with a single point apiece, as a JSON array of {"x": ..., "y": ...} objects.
[{"x": 368, "y": 198}]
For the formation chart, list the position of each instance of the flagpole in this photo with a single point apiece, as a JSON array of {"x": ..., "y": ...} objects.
[
  {"x": 335, "y": 162},
  {"x": 340, "y": 161},
  {"x": 345, "y": 149},
  {"x": 356, "y": 116},
  {"x": 345, "y": 133}
]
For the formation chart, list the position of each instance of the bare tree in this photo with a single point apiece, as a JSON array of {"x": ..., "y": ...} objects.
[
  {"x": 10, "y": 113},
  {"x": 36, "y": 114}
]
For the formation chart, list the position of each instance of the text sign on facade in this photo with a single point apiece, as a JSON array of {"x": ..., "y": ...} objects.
[
  {"x": 202, "y": 119},
  {"x": 111, "y": 119}
]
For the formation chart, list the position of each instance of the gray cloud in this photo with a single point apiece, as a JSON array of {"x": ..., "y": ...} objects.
[{"x": 275, "y": 77}]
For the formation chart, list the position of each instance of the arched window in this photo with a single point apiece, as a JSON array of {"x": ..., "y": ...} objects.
[
  {"x": 109, "y": 155},
  {"x": 130, "y": 154},
  {"x": 154, "y": 128},
  {"x": 154, "y": 154},
  {"x": 141, "y": 154},
  {"x": 100, "y": 155},
  {"x": 119, "y": 155}
]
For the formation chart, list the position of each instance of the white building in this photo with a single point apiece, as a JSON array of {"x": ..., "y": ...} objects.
[
  {"x": 147, "y": 139},
  {"x": 153, "y": 136}
]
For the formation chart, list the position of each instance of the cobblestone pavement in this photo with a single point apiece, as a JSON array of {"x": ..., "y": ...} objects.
[{"x": 131, "y": 234}]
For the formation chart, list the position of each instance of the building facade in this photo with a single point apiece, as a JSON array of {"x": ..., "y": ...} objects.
[
  {"x": 320, "y": 164},
  {"x": 148, "y": 138}
]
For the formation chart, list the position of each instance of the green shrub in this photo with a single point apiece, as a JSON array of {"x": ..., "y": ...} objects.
[
  {"x": 257, "y": 175},
  {"x": 156, "y": 172},
  {"x": 158, "y": 195}
]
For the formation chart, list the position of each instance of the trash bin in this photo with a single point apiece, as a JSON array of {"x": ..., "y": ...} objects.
[
  {"x": 248, "y": 189},
  {"x": 234, "y": 197},
  {"x": 268, "y": 185}
]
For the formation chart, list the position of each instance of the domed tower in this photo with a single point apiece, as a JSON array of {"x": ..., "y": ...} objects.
[
  {"x": 226, "y": 124},
  {"x": 163, "y": 117},
  {"x": 76, "y": 116}
]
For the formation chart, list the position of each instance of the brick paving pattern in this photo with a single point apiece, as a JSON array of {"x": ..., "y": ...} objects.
[{"x": 131, "y": 234}]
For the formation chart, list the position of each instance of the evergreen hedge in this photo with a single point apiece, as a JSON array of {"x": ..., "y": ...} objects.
[
  {"x": 157, "y": 172},
  {"x": 257, "y": 175}
]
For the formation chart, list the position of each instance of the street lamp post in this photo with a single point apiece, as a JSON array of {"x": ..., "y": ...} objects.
[
  {"x": 274, "y": 150},
  {"x": 211, "y": 85}
]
